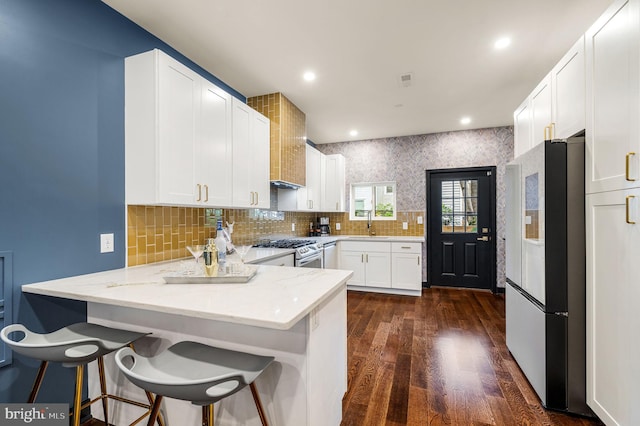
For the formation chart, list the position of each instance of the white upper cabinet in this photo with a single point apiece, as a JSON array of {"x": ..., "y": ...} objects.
[
  {"x": 612, "y": 47},
  {"x": 333, "y": 172},
  {"x": 556, "y": 107},
  {"x": 309, "y": 197},
  {"x": 214, "y": 156},
  {"x": 568, "y": 93},
  {"x": 541, "y": 116},
  {"x": 250, "y": 157},
  {"x": 522, "y": 137},
  {"x": 188, "y": 142},
  {"x": 161, "y": 119},
  {"x": 176, "y": 128},
  {"x": 532, "y": 119}
]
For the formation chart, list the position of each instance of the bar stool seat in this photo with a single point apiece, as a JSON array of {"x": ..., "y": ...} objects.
[
  {"x": 74, "y": 346},
  {"x": 194, "y": 372}
]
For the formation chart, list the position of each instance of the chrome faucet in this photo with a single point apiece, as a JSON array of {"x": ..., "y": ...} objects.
[{"x": 371, "y": 231}]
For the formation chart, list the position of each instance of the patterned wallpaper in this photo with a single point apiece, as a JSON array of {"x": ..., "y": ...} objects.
[{"x": 405, "y": 159}]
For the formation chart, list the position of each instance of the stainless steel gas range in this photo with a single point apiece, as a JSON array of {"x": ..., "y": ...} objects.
[{"x": 308, "y": 253}]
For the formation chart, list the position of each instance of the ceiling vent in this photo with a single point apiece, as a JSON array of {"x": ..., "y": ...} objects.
[{"x": 406, "y": 79}]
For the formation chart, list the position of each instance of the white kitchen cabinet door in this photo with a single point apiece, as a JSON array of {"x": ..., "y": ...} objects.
[
  {"x": 250, "y": 157},
  {"x": 541, "y": 111},
  {"x": 214, "y": 150},
  {"x": 178, "y": 114},
  {"x": 532, "y": 117},
  {"x": 613, "y": 291},
  {"x": 162, "y": 115},
  {"x": 354, "y": 261},
  {"x": 259, "y": 167},
  {"x": 334, "y": 183},
  {"x": 612, "y": 49},
  {"x": 568, "y": 92},
  {"x": 309, "y": 197},
  {"x": 378, "y": 269},
  {"x": 406, "y": 266},
  {"x": 522, "y": 136}
]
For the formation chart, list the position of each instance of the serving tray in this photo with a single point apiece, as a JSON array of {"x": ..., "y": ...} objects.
[{"x": 187, "y": 277}]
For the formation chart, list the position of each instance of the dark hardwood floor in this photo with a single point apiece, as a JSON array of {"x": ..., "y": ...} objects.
[{"x": 437, "y": 359}]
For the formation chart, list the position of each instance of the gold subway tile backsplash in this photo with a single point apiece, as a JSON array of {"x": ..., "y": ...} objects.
[{"x": 167, "y": 234}]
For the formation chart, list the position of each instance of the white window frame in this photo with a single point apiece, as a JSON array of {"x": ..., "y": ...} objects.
[{"x": 372, "y": 185}]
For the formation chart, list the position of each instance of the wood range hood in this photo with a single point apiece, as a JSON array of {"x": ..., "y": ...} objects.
[{"x": 288, "y": 139}]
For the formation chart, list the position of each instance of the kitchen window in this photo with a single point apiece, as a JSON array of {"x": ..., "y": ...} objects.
[{"x": 376, "y": 200}]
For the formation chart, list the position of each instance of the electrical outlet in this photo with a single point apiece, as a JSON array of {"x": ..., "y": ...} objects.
[
  {"x": 106, "y": 243},
  {"x": 293, "y": 227},
  {"x": 338, "y": 226},
  {"x": 405, "y": 225},
  {"x": 419, "y": 220}
]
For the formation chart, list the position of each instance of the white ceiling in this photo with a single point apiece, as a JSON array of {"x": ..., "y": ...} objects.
[{"x": 359, "y": 48}]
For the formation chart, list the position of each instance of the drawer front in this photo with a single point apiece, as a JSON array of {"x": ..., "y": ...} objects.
[
  {"x": 406, "y": 248},
  {"x": 366, "y": 246}
]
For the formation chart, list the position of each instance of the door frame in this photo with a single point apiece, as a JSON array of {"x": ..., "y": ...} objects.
[{"x": 493, "y": 249}]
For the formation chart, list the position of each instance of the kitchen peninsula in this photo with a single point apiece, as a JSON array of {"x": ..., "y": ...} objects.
[{"x": 297, "y": 315}]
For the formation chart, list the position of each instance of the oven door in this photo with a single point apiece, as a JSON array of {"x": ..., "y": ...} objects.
[{"x": 314, "y": 261}]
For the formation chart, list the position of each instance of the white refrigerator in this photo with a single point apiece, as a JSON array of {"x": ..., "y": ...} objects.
[{"x": 545, "y": 268}]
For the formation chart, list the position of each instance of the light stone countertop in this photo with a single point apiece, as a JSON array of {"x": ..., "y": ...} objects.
[{"x": 277, "y": 297}]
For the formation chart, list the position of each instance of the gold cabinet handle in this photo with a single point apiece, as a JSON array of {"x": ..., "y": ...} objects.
[
  {"x": 337, "y": 207},
  {"x": 547, "y": 133},
  {"x": 483, "y": 238},
  {"x": 199, "y": 192},
  {"x": 627, "y": 166},
  {"x": 628, "y": 202},
  {"x": 206, "y": 193},
  {"x": 257, "y": 198}
]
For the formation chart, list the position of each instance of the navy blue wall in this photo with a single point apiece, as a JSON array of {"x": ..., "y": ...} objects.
[{"x": 62, "y": 157}]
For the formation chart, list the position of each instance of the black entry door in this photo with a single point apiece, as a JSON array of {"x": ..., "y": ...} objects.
[{"x": 461, "y": 228}]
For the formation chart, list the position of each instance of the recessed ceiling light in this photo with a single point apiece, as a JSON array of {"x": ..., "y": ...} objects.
[
  {"x": 309, "y": 76},
  {"x": 353, "y": 133},
  {"x": 502, "y": 43},
  {"x": 465, "y": 120}
]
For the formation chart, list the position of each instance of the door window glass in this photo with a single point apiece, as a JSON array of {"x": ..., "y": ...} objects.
[{"x": 459, "y": 206}]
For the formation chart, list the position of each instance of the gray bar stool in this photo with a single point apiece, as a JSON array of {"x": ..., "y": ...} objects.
[
  {"x": 74, "y": 346},
  {"x": 194, "y": 372}
]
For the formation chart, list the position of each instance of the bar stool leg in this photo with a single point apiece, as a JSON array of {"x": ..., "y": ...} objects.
[
  {"x": 77, "y": 404},
  {"x": 155, "y": 410},
  {"x": 256, "y": 399},
  {"x": 207, "y": 415},
  {"x": 38, "y": 382},
  {"x": 103, "y": 390},
  {"x": 150, "y": 397}
]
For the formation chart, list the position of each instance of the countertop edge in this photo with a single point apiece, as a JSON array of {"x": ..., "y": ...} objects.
[{"x": 286, "y": 324}]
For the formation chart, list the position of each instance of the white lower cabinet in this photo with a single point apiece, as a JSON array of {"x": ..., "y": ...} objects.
[
  {"x": 406, "y": 266},
  {"x": 369, "y": 261},
  {"x": 383, "y": 266},
  {"x": 613, "y": 291}
]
